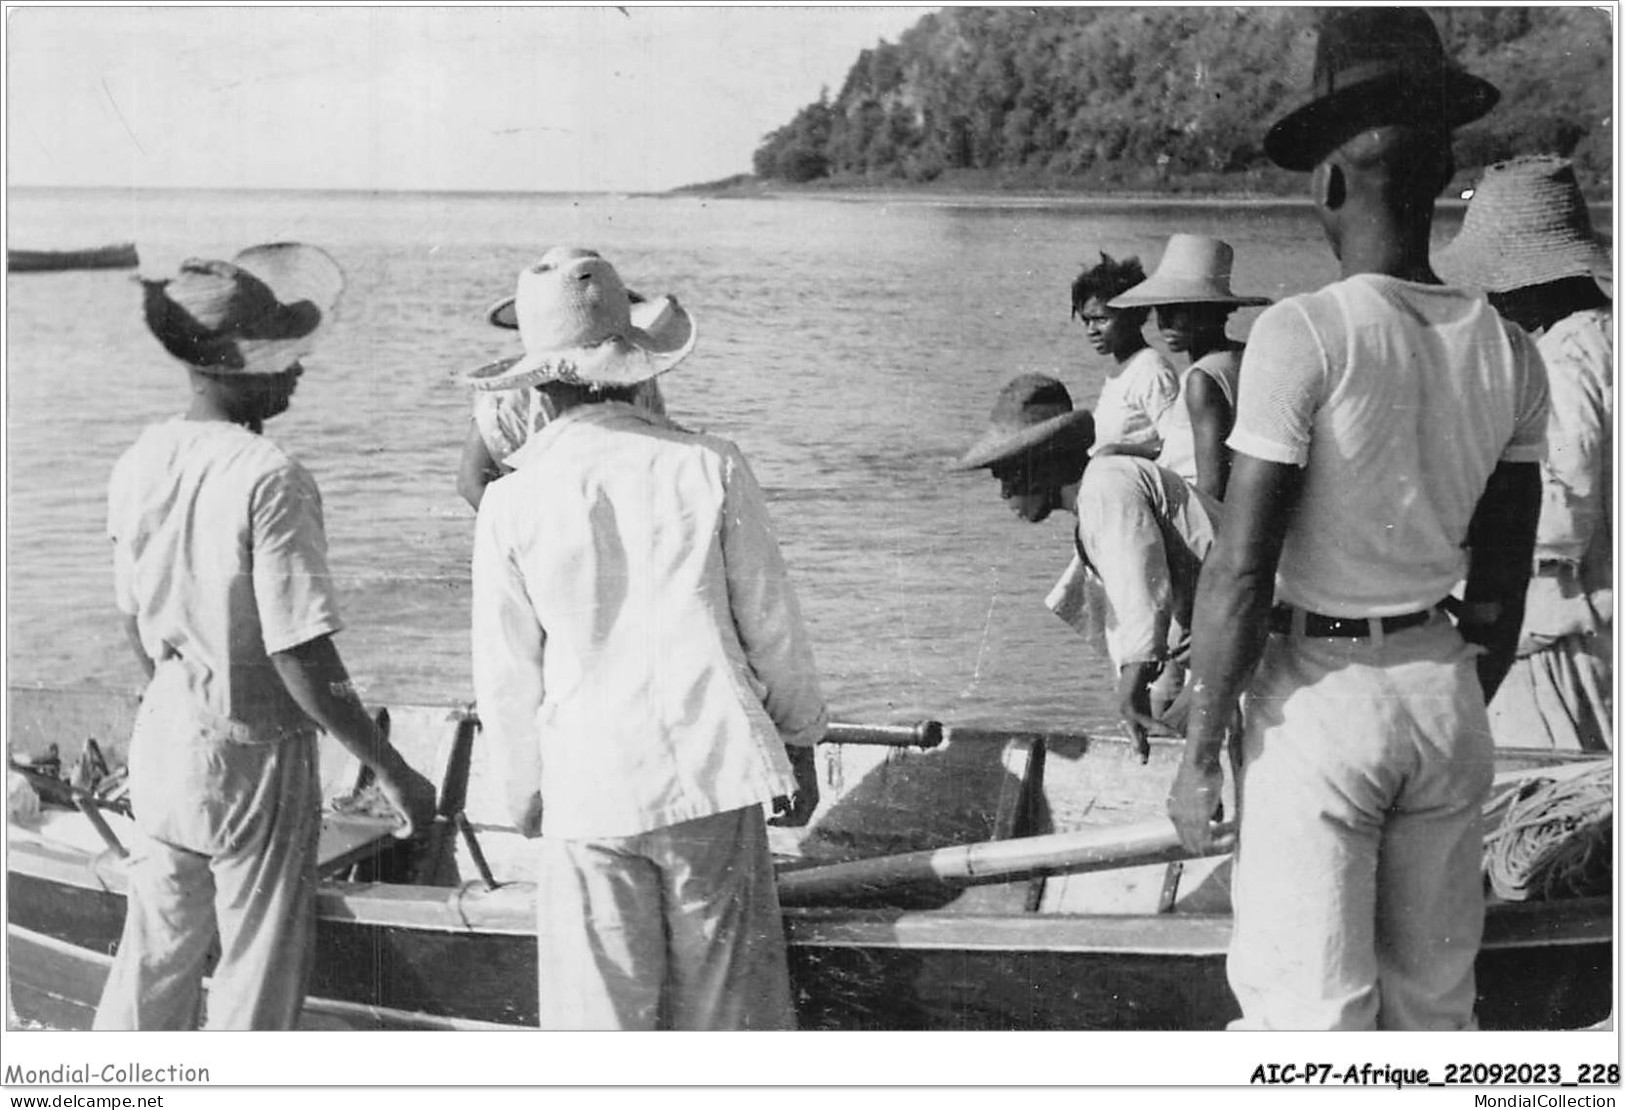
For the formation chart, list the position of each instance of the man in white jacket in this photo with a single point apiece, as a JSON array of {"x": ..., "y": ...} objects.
[{"x": 641, "y": 662}]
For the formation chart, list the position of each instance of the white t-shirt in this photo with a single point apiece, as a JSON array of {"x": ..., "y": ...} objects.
[
  {"x": 1178, "y": 437},
  {"x": 1134, "y": 399},
  {"x": 1399, "y": 399},
  {"x": 220, "y": 554}
]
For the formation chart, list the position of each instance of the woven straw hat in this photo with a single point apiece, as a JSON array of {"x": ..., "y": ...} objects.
[
  {"x": 580, "y": 324},
  {"x": 257, "y": 314},
  {"x": 1526, "y": 224},
  {"x": 1375, "y": 66},
  {"x": 1033, "y": 411},
  {"x": 1195, "y": 269}
]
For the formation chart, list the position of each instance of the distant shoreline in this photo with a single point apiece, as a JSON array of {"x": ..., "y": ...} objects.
[
  {"x": 1022, "y": 197},
  {"x": 1012, "y": 199}
]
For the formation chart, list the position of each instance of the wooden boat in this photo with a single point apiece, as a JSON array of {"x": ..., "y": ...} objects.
[
  {"x": 115, "y": 256},
  {"x": 1048, "y": 902}
]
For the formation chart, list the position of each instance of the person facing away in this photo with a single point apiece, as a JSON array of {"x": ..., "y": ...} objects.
[
  {"x": 641, "y": 664},
  {"x": 503, "y": 419},
  {"x": 1527, "y": 241},
  {"x": 220, "y": 569},
  {"x": 1141, "y": 530},
  {"x": 1386, "y": 448},
  {"x": 1190, "y": 292},
  {"x": 1141, "y": 385}
]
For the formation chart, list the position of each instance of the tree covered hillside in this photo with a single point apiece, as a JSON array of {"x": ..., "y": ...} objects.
[{"x": 1168, "y": 98}]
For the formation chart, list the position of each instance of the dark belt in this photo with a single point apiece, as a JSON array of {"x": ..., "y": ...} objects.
[
  {"x": 1555, "y": 568},
  {"x": 1319, "y": 626}
]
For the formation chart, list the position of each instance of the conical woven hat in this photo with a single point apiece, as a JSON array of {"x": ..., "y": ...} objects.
[{"x": 1526, "y": 224}]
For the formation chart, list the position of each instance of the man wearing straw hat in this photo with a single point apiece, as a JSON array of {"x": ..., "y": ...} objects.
[
  {"x": 1386, "y": 448},
  {"x": 1141, "y": 534},
  {"x": 641, "y": 665},
  {"x": 220, "y": 568},
  {"x": 1190, "y": 291},
  {"x": 1527, "y": 241},
  {"x": 503, "y": 419}
]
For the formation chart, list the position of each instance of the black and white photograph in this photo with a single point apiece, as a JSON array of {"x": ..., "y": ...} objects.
[{"x": 499, "y": 539}]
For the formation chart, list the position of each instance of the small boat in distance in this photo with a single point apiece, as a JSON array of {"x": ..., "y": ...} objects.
[{"x": 115, "y": 256}]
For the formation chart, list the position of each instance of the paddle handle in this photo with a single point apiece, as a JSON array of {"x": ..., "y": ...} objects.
[
  {"x": 990, "y": 861},
  {"x": 925, "y": 734}
]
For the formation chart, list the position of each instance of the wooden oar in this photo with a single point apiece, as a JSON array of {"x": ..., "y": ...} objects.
[
  {"x": 990, "y": 861},
  {"x": 927, "y": 734}
]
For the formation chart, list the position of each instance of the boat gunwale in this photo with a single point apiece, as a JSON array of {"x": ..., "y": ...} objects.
[{"x": 509, "y": 910}]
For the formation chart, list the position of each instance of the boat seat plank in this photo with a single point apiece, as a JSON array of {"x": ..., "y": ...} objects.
[{"x": 349, "y": 838}]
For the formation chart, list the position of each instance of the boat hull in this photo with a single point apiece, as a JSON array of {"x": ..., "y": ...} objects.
[
  {"x": 397, "y": 957},
  {"x": 1043, "y": 951}
]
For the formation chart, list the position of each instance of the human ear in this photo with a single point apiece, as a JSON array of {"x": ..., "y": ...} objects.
[{"x": 1328, "y": 186}]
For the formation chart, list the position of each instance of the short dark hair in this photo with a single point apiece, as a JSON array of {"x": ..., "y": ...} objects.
[{"x": 1109, "y": 278}]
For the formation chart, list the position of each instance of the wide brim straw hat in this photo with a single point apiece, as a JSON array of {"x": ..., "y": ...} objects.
[
  {"x": 580, "y": 324},
  {"x": 1526, "y": 224},
  {"x": 1373, "y": 67},
  {"x": 1195, "y": 269},
  {"x": 1033, "y": 411},
  {"x": 257, "y": 314}
]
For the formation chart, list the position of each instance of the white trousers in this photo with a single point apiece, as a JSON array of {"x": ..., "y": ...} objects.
[
  {"x": 677, "y": 928},
  {"x": 1358, "y": 887},
  {"x": 228, "y": 827},
  {"x": 1559, "y": 697}
]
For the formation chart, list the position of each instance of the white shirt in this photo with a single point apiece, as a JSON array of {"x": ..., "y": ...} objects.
[
  {"x": 1399, "y": 399},
  {"x": 1145, "y": 532},
  {"x": 1575, "y": 516},
  {"x": 220, "y": 554},
  {"x": 634, "y": 626},
  {"x": 1577, "y": 487},
  {"x": 1178, "y": 436},
  {"x": 1134, "y": 399}
]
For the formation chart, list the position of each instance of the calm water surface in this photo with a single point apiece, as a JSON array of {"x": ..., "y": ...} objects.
[{"x": 852, "y": 349}]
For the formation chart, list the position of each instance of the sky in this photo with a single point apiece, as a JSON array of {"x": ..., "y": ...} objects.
[{"x": 558, "y": 98}]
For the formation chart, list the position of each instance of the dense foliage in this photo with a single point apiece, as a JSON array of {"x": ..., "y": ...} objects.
[{"x": 1164, "y": 98}]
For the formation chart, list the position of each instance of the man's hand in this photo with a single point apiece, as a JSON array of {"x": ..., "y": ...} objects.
[
  {"x": 412, "y": 795},
  {"x": 315, "y": 678},
  {"x": 796, "y": 810},
  {"x": 1134, "y": 706},
  {"x": 1196, "y": 807},
  {"x": 527, "y": 814}
]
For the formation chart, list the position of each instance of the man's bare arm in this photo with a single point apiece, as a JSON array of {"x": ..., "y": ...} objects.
[
  {"x": 317, "y": 680},
  {"x": 1501, "y": 551},
  {"x": 1229, "y": 628}
]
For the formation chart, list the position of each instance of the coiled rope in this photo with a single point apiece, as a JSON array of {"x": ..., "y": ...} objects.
[{"x": 1555, "y": 837}]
